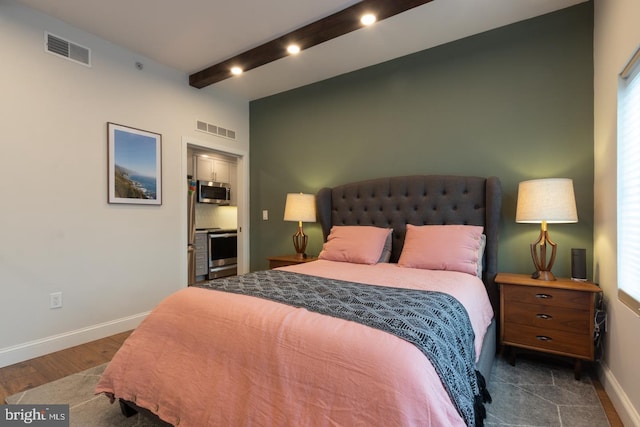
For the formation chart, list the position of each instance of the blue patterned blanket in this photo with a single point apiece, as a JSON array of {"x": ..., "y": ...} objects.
[{"x": 434, "y": 322}]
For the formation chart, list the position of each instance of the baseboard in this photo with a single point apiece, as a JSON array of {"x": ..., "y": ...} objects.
[
  {"x": 624, "y": 407},
  {"x": 29, "y": 350}
]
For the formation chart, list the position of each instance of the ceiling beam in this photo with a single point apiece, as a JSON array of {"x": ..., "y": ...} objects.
[{"x": 330, "y": 27}]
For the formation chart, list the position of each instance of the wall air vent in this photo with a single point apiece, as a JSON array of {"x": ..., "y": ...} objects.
[
  {"x": 72, "y": 51},
  {"x": 215, "y": 130}
]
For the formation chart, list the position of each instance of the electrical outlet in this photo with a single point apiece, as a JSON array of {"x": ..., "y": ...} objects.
[
  {"x": 55, "y": 300},
  {"x": 265, "y": 215}
]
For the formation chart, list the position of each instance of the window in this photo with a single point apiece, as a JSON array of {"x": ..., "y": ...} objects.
[{"x": 629, "y": 184}]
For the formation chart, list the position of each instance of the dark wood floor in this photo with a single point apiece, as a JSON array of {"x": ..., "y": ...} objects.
[
  {"x": 41, "y": 370},
  {"x": 612, "y": 415}
]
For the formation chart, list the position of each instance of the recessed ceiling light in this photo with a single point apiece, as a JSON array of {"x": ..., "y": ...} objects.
[
  {"x": 293, "y": 49},
  {"x": 368, "y": 19},
  {"x": 236, "y": 71}
]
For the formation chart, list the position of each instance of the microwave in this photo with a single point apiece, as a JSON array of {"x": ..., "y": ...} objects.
[{"x": 216, "y": 193}]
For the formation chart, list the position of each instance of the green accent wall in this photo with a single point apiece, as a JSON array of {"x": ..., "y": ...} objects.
[{"x": 515, "y": 102}]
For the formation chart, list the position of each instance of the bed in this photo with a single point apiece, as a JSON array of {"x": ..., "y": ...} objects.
[{"x": 266, "y": 349}]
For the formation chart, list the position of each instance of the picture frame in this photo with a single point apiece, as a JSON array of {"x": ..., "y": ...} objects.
[{"x": 134, "y": 165}]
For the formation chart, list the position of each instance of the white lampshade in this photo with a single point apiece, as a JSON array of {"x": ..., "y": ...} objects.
[
  {"x": 300, "y": 207},
  {"x": 551, "y": 200}
]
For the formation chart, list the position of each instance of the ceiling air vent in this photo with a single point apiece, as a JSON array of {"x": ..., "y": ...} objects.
[
  {"x": 72, "y": 51},
  {"x": 215, "y": 130}
]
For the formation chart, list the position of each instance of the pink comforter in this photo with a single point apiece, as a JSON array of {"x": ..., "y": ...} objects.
[{"x": 210, "y": 358}]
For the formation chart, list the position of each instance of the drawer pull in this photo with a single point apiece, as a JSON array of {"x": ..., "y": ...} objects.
[
  {"x": 543, "y": 338},
  {"x": 544, "y": 296},
  {"x": 544, "y": 316}
]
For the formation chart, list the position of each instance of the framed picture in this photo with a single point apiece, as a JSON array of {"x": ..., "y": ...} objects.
[{"x": 135, "y": 165}]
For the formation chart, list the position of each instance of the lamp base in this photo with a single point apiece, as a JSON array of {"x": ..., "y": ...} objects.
[
  {"x": 543, "y": 275},
  {"x": 539, "y": 255},
  {"x": 300, "y": 242}
]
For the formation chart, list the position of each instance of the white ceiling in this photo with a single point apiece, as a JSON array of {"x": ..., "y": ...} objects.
[{"x": 190, "y": 35}]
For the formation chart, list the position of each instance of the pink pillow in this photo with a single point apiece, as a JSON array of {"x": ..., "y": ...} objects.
[
  {"x": 442, "y": 247},
  {"x": 361, "y": 244}
]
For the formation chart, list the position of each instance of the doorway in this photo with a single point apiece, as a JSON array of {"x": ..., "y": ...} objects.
[{"x": 240, "y": 159}]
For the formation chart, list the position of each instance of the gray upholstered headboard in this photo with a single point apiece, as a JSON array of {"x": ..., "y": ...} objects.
[{"x": 419, "y": 200}]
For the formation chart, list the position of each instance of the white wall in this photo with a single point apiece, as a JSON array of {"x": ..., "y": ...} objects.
[
  {"x": 616, "y": 36},
  {"x": 112, "y": 263}
]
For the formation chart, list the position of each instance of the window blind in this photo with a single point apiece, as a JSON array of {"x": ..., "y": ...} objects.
[{"x": 629, "y": 184}]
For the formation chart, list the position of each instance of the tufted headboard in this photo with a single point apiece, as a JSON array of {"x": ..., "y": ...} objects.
[{"x": 419, "y": 200}]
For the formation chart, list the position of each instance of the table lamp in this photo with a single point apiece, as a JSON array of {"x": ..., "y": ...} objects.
[
  {"x": 545, "y": 201},
  {"x": 302, "y": 208}
]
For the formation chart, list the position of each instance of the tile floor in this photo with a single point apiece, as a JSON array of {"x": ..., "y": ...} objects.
[{"x": 542, "y": 392}]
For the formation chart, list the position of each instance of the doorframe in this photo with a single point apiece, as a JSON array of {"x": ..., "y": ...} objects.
[{"x": 242, "y": 192}]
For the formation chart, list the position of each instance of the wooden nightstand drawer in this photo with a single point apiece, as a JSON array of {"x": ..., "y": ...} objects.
[
  {"x": 545, "y": 295},
  {"x": 565, "y": 343},
  {"x": 548, "y": 316}
]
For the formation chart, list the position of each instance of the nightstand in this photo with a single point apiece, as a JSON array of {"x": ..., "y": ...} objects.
[
  {"x": 551, "y": 316},
  {"x": 284, "y": 260}
]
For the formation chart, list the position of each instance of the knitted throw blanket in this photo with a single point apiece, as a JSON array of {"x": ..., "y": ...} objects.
[{"x": 434, "y": 322}]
